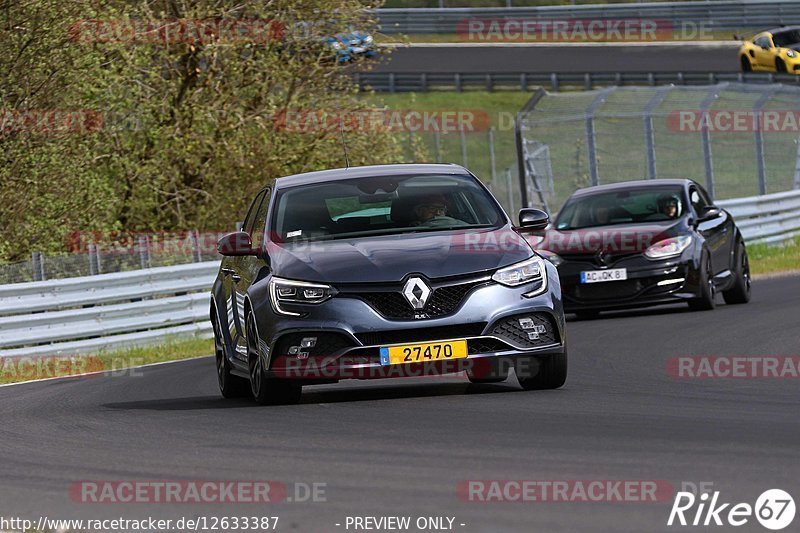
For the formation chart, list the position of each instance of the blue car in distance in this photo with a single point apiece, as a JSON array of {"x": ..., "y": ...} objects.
[{"x": 351, "y": 46}]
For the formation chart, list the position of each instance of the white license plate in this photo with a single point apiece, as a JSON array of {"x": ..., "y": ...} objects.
[{"x": 597, "y": 276}]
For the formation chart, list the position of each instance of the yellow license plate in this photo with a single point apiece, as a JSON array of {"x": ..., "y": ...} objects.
[{"x": 421, "y": 353}]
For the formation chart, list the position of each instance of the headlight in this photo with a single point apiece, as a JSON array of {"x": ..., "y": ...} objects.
[
  {"x": 668, "y": 247},
  {"x": 368, "y": 39},
  {"x": 297, "y": 292},
  {"x": 550, "y": 256},
  {"x": 791, "y": 53},
  {"x": 532, "y": 269}
]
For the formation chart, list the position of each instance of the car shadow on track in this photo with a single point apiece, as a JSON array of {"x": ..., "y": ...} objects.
[
  {"x": 339, "y": 393},
  {"x": 628, "y": 313}
]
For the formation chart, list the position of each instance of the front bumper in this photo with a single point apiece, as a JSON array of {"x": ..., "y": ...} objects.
[
  {"x": 348, "y": 334},
  {"x": 649, "y": 283}
]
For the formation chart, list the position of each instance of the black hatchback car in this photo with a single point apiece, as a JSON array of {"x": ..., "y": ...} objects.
[
  {"x": 383, "y": 271},
  {"x": 643, "y": 243}
]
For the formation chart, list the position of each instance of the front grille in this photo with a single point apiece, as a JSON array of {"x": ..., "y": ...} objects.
[
  {"x": 327, "y": 343},
  {"x": 541, "y": 330},
  {"x": 608, "y": 290},
  {"x": 444, "y": 300},
  {"x": 608, "y": 258},
  {"x": 486, "y": 345},
  {"x": 381, "y": 338}
]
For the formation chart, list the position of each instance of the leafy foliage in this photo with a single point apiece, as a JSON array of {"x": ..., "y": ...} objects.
[{"x": 173, "y": 130}]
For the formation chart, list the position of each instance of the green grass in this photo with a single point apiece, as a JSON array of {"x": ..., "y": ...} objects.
[
  {"x": 766, "y": 259},
  {"x": 15, "y": 370}
]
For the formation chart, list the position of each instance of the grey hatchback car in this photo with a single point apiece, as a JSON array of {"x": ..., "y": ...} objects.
[{"x": 379, "y": 272}]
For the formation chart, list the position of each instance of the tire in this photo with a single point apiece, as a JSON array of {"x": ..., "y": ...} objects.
[
  {"x": 265, "y": 390},
  {"x": 229, "y": 385},
  {"x": 705, "y": 302},
  {"x": 746, "y": 66},
  {"x": 587, "y": 315},
  {"x": 780, "y": 66},
  {"x": 488, "y": 370},
  {"x": 739, "y": 293},
  {"x": 552, "y": 373}
]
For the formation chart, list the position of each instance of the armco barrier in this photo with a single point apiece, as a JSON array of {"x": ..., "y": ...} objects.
[
  {"x": 772, "y": 218},
  {"x": 710, "y": 15},
  {"x": 459, "y": 81},
  {"x": 92, "y": 313}
]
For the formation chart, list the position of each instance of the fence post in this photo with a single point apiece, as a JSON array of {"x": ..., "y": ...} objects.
[
  {"x": 437, "y": 141},
  {"x": 705, "y": 139},
  {"x": 37, "y": 264},
  {"x": 492, "y": 162},
  {"x": 457, "y": 81},
  {"x": 463, "y": 138},
  {"x": 758, "y": 139},
  {"x": 411, "y": 146},
  {"x": 510, "y": 190},
  {"x": 554, "y": 81},
  {"x": 95, "y": 267},
  {"x": 797, "y": 167},
  {"x": 144, "y": 251},
  {"x": 391, "y": 82},
  {"x": 197, "y": 256},
  {"x": 649, "y": 133},
  {"x": 591, "y": 139}
]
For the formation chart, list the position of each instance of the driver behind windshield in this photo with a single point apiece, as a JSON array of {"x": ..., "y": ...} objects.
[
  {"x": 668, "y": 206},
  {"x": 431, "y": 211}
]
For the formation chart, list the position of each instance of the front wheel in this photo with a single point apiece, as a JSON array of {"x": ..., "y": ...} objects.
[
  {"x": 739, "y": 293},
  {"x": 266, "y": 390},
  {"x": 229, "y": 385},
  {"x": 705, "y": 301},
  {"x": 551, "y": 372}
]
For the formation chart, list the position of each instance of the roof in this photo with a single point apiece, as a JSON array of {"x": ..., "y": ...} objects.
[
  {"x": 322, "y": 176},
  {"x": 639, "y": 184}
]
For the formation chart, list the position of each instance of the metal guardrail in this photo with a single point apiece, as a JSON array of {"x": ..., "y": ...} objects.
[
  {"x": 712, "y": 15},
  {"x": 93, "y": 313},
  {"x": 771, "y": 219},
  {"x": 431, "y": 81}
]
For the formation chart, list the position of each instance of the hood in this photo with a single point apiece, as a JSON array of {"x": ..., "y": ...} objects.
[
  {"x": 391, "y": 258},
  {"x": 616, "y": 239}
]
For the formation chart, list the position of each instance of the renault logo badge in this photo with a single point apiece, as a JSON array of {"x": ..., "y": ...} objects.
[{"x": 417, "y": 292}]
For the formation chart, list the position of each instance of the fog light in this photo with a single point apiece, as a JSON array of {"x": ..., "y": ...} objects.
[
  {"x": 293, "y": 350},
  {"x": 308, "y": 342},
  {"x": 533, "y": 336},
  {"x": 526, "y": 323}
]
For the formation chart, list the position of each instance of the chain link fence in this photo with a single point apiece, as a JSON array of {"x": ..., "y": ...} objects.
[
  {"x": 738, "y": 140},
  {"x": 142, "y": 251}
]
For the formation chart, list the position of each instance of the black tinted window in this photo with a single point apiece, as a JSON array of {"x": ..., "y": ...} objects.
[
  {"x": 382, "y": 205},
  {"x": 629, "y": 206}
]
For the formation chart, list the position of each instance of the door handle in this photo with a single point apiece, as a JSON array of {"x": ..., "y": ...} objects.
[
  {"x": 227, "y": 271},
  {"x": 236, "y": 278}
]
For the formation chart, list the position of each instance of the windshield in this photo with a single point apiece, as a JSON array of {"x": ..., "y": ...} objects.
[
  {"x": 621, "y": 207},
  {"x": 382, "y": 205},
  {"x": 786, "y": 38}
]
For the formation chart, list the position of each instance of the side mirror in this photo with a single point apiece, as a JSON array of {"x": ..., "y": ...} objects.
[
  {"x": 533, "y": 219},
  {"x": 235, "y": 244},
  {"x": 708, "y": 213}
]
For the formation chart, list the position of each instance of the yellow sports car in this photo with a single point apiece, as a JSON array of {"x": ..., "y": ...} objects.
[{"x": 775, "y": 50}]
